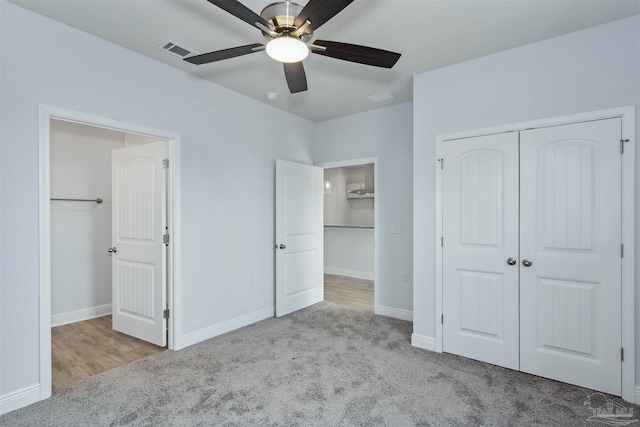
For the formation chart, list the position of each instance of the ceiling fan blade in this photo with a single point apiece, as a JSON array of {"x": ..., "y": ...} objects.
[
  {"x": 219, "y": 55},
  {"x": 240, "y": 11},
  {"x": 296, "y": 78},
  {"x": 319, "y": 12},
  {"x": 356, "y": 53}
]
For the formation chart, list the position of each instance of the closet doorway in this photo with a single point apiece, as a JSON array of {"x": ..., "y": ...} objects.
[
  {"x": 350, "y": 233},
  {"x": 94, "y": 209},
  {"x": 536, "y": 244},
  {"x": 83, "y": 341}
]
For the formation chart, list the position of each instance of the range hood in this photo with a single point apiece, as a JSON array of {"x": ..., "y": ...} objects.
[
  {"x": 362, "y": 191},
  {"x": 368, "y": 187}
]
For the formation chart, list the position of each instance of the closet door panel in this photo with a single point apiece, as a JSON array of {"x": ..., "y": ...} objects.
[
  {"x": 480, "y": 230},
  {"x": 570, "y": 192}
]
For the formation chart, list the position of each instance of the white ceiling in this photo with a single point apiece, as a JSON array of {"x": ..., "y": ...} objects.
[{"x": 428, "y": 33}]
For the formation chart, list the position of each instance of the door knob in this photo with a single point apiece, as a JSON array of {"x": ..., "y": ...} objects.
[
  {"x": 281, "y": 246},
  {"x": 527, "y": 262},
  {"x": 112, "y": 250},
  {"x": 512, "y": 261}
]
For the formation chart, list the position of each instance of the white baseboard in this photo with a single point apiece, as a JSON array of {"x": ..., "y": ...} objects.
[
  {"x": 396, "y": 313},
  {"x": 637, "y": 396},
  {"x": 80, "y": 315},
  {"x": 19, "y": 399},
  {"x": 420, "y": 341},
  {"x": 349, "y": 273},
  {"x": 222, "y": 328}
]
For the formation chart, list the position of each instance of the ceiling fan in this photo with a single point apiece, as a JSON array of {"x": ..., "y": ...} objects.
[{"x": 288, "y": 28}]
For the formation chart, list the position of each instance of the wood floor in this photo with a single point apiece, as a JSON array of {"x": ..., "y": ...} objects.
[
  {"x": 80, "y": 350},
  {"x": 349, "y": 292}
]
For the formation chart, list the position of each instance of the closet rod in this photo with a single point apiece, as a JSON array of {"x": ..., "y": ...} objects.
[{"x": 98, "y": 200}]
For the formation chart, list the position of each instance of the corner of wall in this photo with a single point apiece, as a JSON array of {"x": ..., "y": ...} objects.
[
  {"x": 424, "y": 342},
  {"x": 213, "y": 331},
  {"x": 19, "y": 398},
  {"x": 393, "y": 312}
]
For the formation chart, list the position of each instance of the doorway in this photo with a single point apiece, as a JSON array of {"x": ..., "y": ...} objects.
[
  {"x": 534, "y": 224},
  {"x": 350, "y": 227},
  {"x": 82, "y": 254},
  {"x": 94, "y": 301}
]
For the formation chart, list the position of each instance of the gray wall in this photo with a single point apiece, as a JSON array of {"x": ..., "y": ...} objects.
[
  {"x": 386, "y": 134},
  {"x": 228, "y": 161},
  {"x": 589, "y": 70},
  {"x": 227, "y": 173},
  {"x": 227, "y": 176},
  {"x": 349, "y": 252}
]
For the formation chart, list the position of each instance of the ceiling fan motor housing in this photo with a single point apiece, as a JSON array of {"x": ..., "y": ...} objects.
[{"x": 281, "y": 15}]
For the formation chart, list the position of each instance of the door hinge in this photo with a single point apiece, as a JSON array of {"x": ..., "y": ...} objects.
[
  {"x": 622, "y": 141},
  {"x": 442, "y": 241},
  {"x": 165, "y": 163},
  {"x": 621, "y": 251},
  {"x": 441, "y": 163},
  {"x": 165, "y": 239},
  {"x": 442, "y": 319},
  {"x": 622, "y": 353},
  {"x": 165, "y": 313}
]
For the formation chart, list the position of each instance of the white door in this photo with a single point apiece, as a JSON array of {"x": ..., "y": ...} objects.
[
  {"x": 480, "y": 229},
  {"x": 299, "y": 236},
  {"x": 570, "y": 232},
  {"x": 138, "y": 220}
]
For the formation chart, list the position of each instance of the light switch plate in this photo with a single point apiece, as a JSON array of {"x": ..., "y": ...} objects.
[{"x": 396, "y": 228}]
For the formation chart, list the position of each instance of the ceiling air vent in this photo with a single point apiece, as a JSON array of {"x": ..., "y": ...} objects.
[
  {"x": 176, "y": 49},
  {"x": 384, "y": 96}
]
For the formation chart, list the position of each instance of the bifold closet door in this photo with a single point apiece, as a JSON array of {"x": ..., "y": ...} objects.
[
  {"x": 570, "y": 245},
  {"x": 480, "y": 250},
  {"x": 532, "y": 251}
]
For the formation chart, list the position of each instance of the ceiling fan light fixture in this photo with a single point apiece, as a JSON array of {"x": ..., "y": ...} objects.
[{"x": 287, "y": 49}]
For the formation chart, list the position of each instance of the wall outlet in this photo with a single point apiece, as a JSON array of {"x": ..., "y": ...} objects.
[
  {"x": 252, "y": 279},
  {"x": 396, "y": 228},
  {"x": 405, "y": 277}
]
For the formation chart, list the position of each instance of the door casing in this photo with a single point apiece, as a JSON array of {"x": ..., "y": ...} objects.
[
  {"x": 46, "y": 114},
  {"x": 627, "y": 116}
]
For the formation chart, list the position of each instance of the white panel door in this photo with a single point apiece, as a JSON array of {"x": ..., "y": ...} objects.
[
  {"x": 480, "y": 251},
  {"x": 570, "y": 232},
  {"x": 299, "y": 236},
  {"x": 138, "y": 220}
]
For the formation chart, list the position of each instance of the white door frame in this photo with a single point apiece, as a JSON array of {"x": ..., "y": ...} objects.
[
  {"x": 46, "y": 114},
  {"x": 627, "y": 116},
  {"x": 360, "y": 162}
]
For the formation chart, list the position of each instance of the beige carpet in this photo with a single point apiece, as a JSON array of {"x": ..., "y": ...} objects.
[{"x": 322, "y": 366}]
